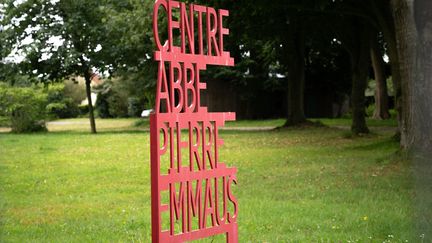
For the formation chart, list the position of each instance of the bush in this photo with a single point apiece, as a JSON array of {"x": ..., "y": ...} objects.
[
  {"x": 55, "y": 108},
  {"x": 102, "y": 105},
  {"x": 370, "y": 110},
  {"x": 60, "y": 106},
  {"x": 112, "y": 100},
  {"x": 118, "y": 106},
  {"x": 24, "y": 120},
  {"x": 25, "y": 108},
  {"x": 83, "y": 109},
  {"x": 4, "y": 121},
  {"x": 115, "y": 100},
  {"x": 74, "y": 90},
  {"x": 134, "y": 107},
  {"x": 66, "y": 108},
  {"x": 55, "y": 93}
]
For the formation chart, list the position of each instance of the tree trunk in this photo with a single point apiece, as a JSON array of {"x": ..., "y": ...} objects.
[
  {"x": 397, "y": 83},
  {"x": 402, "y": 11},
  {"x": 381, "y": 96},
  {"x": 413, "y": 24},
  {"x": 420, "y": 131},
  {"x": 87, "y": 77},
  {"x": 295, "y": 95},
  {"x": 385, "y": 20},
  {"x": 296, "y": 74},
  {"x": 420, "y": 134},
  {"x": 360, "y": 54}
]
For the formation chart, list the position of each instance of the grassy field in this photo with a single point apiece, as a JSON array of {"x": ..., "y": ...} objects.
[
  {"x": 142, "y": 124},
  {"x": 302, "y": 185}
]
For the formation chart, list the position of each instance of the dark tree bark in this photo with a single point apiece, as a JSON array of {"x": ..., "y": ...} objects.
[
  {"x": 385, "y": 20},
  {"x": 397, "y": 82},
  {"x": 360, "y": 60},
  {"x": 296, "y": 74},
  {"x": 420, "y": 133},
  {"x": 419, "y": 136},
  {"x": 381, "y": 96},
  {"x": 405, "y": 36},
  {"x": 87, "y": 77},
  {"x": 413, "y": 23}
]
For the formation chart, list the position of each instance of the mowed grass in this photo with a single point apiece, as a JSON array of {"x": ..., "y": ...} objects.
[
  {"x": 302, "y": 185},
  {"x": 140, "y": 124}
]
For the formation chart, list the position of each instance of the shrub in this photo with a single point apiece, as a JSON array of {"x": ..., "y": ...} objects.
[
  {"x": 25, "y": 108},
  {"x": 370, "y": 110},
  {"x": 102, "y": 105},
  {"x": 112, "y": 100},
  {"x": 55, "y": 93},
  {"x": 118, "y": 106},
  {"x": 60, "y": 106},
  {"x": 55, "y": 108},
  {"x": 66, "y": 108},
  {"x": 4, "y": 121},
  {"x": 134, "y": 107},
  {"x": 83, "y": 109},
  {"x": 23, "y": 119},
  {"x": 115, "y": 100},
  {"x": 75, "y": 90}
]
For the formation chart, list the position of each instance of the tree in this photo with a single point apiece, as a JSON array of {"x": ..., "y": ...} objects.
[
  {"x": 294, "y": 43},
  {"x": 354, "y": 34},
  {"x": 405, "y": 38},
  {"x": 60, "y": 39},
  {"x": 413, "y": 21},
  {"x": 280, "y": 27},
  {"x": 381, "y": 94},
  {"x": 382, "y": 15},
  {"x": 359, "y": 52},
  {"x": 131, "y": 26}
]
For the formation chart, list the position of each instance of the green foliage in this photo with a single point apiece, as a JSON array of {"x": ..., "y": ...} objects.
[
  {"x": 131, "y": 27},
  {"x": 25, "y": 107},
  {"x": 12, "y": 75},
  {"x": 111, "y": 101},
  {"x": 60, "y": 106},
  {"x": 83, "y": 39},
  {"x": 54, "y": 108},
  {"x": 113, "y": 36},
  {"x": 115, "y": 99},
  {"x": 75, "y": 90},
  {"x": 4, "y": 121},
  {"x": 102, "y": 105},
  {"x": 134, "y": 107},
  {"x": 370, "y": 110},
  {"x": 118, "y": 105},
  {"x": 64, "y": 109},
  {"x": 83, "y": 110},
  {"x": 73, "y": 38},
  {"x": 370, "y": 89},
  {"x": 55, "y": 92}
]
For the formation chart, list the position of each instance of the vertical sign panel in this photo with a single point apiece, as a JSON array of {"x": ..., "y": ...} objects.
[{"x": 191, "y": 189}]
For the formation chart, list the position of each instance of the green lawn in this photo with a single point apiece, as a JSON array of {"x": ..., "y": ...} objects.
[
  {"x": 304, "y": 185},
  {"x": 134, "y": 124}
]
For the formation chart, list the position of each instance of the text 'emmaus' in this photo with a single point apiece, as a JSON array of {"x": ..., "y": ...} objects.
[{"x": 192, "y": 190}]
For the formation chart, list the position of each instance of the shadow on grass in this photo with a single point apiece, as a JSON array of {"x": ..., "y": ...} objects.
[
  {"x": 303, "y": 125},
  {"x": 129, "y": 131},
  {"x": 379, "y": 145},
  {"x": 103, "y": 132}
]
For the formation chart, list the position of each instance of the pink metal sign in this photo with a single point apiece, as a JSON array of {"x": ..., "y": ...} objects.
[{"x": 191, "y": 188}]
